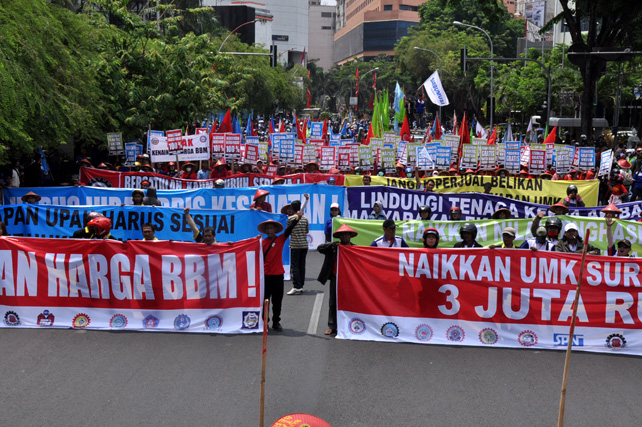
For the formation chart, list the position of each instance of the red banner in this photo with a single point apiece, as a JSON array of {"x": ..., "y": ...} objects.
[
  {"x": 139, "y": 285},
  {"x": 106, "y": 178},
  {"x": 507, "y": 298}
]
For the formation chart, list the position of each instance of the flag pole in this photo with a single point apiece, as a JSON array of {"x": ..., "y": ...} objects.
[
  {"x": 567, "y": 361},
  {"x": 266, "y": 307}
]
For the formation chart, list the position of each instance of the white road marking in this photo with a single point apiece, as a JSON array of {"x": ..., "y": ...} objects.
[{"x": 316, "y": 314}]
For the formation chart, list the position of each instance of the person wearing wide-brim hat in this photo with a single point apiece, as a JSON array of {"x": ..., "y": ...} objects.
[
  {"x": 328, "y": 270},
  {"x": 546, "y": 176},
  {"x": 312, "y": 167},
  {"x": 273, "y": 270},
  {"x": 147, "y": 168},
  {"x": 502, "y": 172},
  {"x": 31, "y": 197},
  {"x": 85, "y": 163},
  {"x": 259, "y": 201},
  {"x": 502, "y": 213},
  {"x": 559, "y": 208},
  {"x": 189, "y": 171}
]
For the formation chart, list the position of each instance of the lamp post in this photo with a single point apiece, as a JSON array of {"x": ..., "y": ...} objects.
[
  {"x": 234, "y": 30},
  {"x": 434, "y": 53},
  {"x": 461, "y": 24}
]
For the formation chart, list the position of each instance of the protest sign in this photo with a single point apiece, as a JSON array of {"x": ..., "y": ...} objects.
[
  {"x": 115, "y": 143},
  {"x": 586, "y": 158},
  {"x": 365, "y": 157},
  {"x": 174, "y": 140},
  {"x": 142, "y": 286},
  {"x": 606, "y": 162}
]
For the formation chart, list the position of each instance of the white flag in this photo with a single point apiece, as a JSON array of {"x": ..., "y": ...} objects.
[{"x": 435, "y": 91}]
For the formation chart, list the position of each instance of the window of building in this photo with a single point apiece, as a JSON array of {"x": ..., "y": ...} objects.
[
  {"x": 406, "y": 7},
  {"x": 326, "y": 14},
  {"x": 387, "y": 7},
  {"x": 326, "y": 27}
]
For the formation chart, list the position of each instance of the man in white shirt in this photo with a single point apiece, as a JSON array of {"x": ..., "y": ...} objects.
[{"x": 389, "y": 240}]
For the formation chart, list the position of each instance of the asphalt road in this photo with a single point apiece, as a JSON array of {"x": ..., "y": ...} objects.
[{"x": 86, "y": 378}]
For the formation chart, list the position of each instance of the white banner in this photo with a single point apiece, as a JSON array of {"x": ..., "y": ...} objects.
[{"x": 435, "y": 90}]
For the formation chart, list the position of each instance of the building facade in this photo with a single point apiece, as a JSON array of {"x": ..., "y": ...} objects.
[
  {"x": 368, "y": 28},
  {"x": 321, "y": 27}
]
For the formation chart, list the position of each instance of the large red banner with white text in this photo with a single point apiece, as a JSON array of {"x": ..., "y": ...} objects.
[
  {"x": 106, "y": 178},
  {"x": 489, "y": 297},
  {"x": 137, "y": 285}
]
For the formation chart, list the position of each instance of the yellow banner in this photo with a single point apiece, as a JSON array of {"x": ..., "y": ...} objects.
[{"x": 540, "y": 191}]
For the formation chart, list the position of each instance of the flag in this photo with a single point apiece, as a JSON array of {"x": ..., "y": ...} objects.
[
  {"x": 309, "y": 98},
  {"x": 282, "y": 126},
  {"x": 236, "y": 126},
  {"x": 248, "y": 128},
  {"x": 480, "y": 131},
  {"x": 399, "y": 96},
  {"x": 226, "y": 123},
  {"x": 493, "y": 137},
  {"x": 464, "y": 136},
  {"x": 344, "y": 128},
  {"x": 550, "y": 139},
  {"x": 455, "y": 122},
  {"x": 435, "y": 90},
  {"x": 324, "y": 132},
  {"x": 530, "y": 125},
  {"x": 303, "y": 58},
  {"x": 370, "y": 134},
  {"x": 304, "y": 132},
  {"x": 374, "y": 81},
  {"x": 509, "y": 133},
  {"x": 271, "y": 130},
  {"x": 437, "y": 127},
  {"x": 405, "y": 130},
  {"x": 357, "y": 90},
  {"x": 428, "y": 134}
]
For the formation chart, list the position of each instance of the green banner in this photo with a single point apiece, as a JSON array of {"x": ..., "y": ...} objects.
[{"x": 490, "y": 231}]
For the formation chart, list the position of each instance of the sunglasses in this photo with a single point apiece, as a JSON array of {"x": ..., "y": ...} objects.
[{"x": 622, "y": 247}]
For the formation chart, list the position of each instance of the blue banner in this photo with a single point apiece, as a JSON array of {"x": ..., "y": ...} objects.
[
  {"x": 401, "y": 204},
  {"x": 234, "y": 199}
]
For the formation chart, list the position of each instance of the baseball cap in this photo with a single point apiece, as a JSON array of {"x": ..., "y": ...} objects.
[
  {"x": 510, "y": 231},
  {"x": 334, "y": 206},
  {"x": 624, "y": 242},
  {"x": 571, "y": 226},
  {"x": 541, "y": 231},
  {"x": 389, "y": 224}
]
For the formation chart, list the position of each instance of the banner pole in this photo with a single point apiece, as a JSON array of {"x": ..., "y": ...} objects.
[
  {"x": 567, "y": 361},
  {"x": 266, "y": 307}
]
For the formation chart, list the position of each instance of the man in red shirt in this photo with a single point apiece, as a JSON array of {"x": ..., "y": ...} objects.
[
  {"x": 259, "y": 201},
  {"x": 273, "y": 264}
]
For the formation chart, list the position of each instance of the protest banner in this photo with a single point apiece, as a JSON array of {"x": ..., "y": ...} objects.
[
  {"x": 217, "y": 145},
  {"x": 563, "y": 156},
  {"x": 343, "y": 159},
  {"x": 488, "y": 297},
  {"x": 317, "y": 211},
  {"x": 316, "y": 130},
  {"x": 195, "y": 148},
  {"x": 115, "y": 143},
  {"x": 411, "y": 154},
  {"x": 424, "y": 160},
  {"x": 142, "y": 286},
  {"x": 469, "y": 157},
  {"x": 512, "y": 160},
  {"x": 132, "y": 150},
  {"x": 233, "y": 146},
  {"x": 540, "y": 191},
  {"x": 327, "y": 159},
  {"x": 444, "y": 158},
  {"x": 151, "y": 135},
  {"x": 586, "y": 158},
  {"x": 537, "y": 162},
  {"x": 286, "y": 153},
  {"x": 452, "y": 141},
  {"x": 387, "y": 159},
  {"x": 487, "y": 157},
  {"x": 251, "y": 153}
]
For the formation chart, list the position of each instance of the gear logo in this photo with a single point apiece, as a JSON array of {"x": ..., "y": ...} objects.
[
  {"x": 488, "y": 336},
  {"x": 455, "y": 333},
  {"x": 118, "y": 321},
  {"x": 182, "y": 322},
  {"x": 213, "y": 322},
  {"x": 423, "y": 332},
  {"x": 99, "y": 181},
  {"x": 251, "y": 320},
  {"x": 11, "y": 318},
  {"x": 46, "y": 318},
  {"x": 527, "y": 338},
  {"x": 81, "y": 320},
  {"x": 150, "y": 322},
  {"x": 390, "y": 330},
  {"x": 616, "y": 342},
  {"x": 357, "y": 326}
]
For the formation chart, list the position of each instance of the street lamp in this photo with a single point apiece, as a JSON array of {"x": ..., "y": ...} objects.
[
  {"x": 461, "y": 24},
  {"x": 234, "y": 30},
  {"x": 434, "y": 53}
]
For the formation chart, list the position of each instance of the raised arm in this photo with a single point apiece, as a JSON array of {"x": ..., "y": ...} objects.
[{"x": 191, "y": 223}]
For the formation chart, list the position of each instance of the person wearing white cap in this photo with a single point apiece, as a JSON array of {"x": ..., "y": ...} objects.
[
  {"x": 334, "y": 211},
  {"x": 572, "y": 242},
  {"x": 539, "y": 242},
  {"x": 508, "y": 238}
]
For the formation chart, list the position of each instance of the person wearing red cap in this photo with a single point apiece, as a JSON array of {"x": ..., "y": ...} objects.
[
  {"x": 329, "y": 270},
  {"x": 273, "y": 270},
  {"x": 616, "y": 190},
  {"x": 259, "y": 201},
  {"x": 623, "y": 246}
]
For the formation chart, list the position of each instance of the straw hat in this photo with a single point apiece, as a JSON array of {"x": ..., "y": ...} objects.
[
  {"x": 260, "y": 193},
  {"x": 30, "y": 194},
  {"x": 261, "y": 227},
  {"x": 559, "y": 206},
  {"x": 498, "y": 211},
  {"x": 345, "y": 229},
  {"x": 188, "y": 164}
]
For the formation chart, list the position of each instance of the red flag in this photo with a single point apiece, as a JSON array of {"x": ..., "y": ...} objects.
[
  {"x": 464, "y": 136},
  {"x": 271, "y": 130},
  {"x": 428, "y": 135},
  {"x": 437, "y": 128},
  {"x": 226, "y": 124},
  {"x": 357, "y": 91},
  {"x": 304, "y": 131},
  {"x": 374, "y": 81},
  {"x": 281, "y": 126},
  {"x": 309, "y": 72},
  {"x": 253, "y": 131},
  {"x": 324, "y": 132},
  {"x": 309, "y": 98},
  {"x": 405, "y": 130},
  {"x": 550, "y": 139},
  {"x": 370, "y": 134},
  {"x": 493, "y": 137}
]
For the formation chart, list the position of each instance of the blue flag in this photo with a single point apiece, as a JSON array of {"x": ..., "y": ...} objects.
[{"x": 399, "y": 96}]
